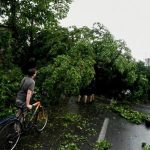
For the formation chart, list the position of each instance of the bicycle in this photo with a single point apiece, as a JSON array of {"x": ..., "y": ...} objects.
[{"x": 13, "y": 127}]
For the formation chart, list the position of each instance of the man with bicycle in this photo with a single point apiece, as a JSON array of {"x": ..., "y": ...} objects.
[
  {"x": 13, "y": 128},
  {"x": 26, "y": 90}
]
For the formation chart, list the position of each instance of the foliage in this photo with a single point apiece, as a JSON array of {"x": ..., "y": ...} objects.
[
  {"x": 41, "y": 13},
  {"x": 67, "y": 58},
  {"x": 115, "y": 68},
  {"x": 145, "y": 146},
  {"x": 78, "y": 34},
  {"x": 102, "y": 145},
  {"x": 74, "y": 128},
  {"x": 74, "y": 70},
  {"x": 140, "y": 89},
  {"x": 25, "y": 19},
  {"x": 9, "y": 84},
  {"x": 5, "y": 49},
  {"x": 129, "y": 114},
  {"x": 70, "y": 146},
  {"x": 147, "y": 73},
  {"x": 50, "y": 43}
]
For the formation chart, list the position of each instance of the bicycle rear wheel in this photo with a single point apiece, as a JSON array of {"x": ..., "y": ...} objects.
[
  {"x": 10, "y": 135},
  {"x": 41, "y": 118}
]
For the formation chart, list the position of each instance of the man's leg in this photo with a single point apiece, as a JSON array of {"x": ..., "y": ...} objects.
[
  {"x": 91, "y": 98},
  {"x": 79, "y": 98},
  {"x": 85, "y": 99}
]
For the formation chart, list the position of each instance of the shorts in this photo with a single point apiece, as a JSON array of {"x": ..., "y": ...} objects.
[{"x": 21, "y": 105}]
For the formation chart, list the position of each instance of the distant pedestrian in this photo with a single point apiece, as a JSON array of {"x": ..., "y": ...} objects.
[
  {"x": 92, "y": 88},
  {"x": 83, "y": 94},
  {"x": 87, "y": 93}
]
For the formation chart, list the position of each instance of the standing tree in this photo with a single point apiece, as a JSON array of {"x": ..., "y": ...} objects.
[{"x": 26, "y": 18}]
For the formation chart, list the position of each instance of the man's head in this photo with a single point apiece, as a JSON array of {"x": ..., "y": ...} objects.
[{"x": 32, "y": 72}]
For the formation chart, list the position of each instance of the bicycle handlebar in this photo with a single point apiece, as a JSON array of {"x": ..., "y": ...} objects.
[{"x": 37, "y": 104}]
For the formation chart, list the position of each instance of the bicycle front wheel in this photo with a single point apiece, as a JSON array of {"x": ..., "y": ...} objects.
[
  {"x": 10, "y": 135},
  {"x": 41, "y": 118}
]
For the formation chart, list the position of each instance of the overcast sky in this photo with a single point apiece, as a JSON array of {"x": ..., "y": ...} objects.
[{"x": 125, "y": 19}]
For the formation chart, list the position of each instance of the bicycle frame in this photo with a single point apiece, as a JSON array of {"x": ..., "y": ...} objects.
[
  {"x": 36, "y": 105},
  {"x": 13, "y": 117},
  {"x": 20, "y": 123},
  {"x": 21, "y": 117}
]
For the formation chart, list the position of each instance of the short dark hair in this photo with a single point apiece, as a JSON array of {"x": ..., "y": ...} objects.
[{"x": 31, "y": 72}]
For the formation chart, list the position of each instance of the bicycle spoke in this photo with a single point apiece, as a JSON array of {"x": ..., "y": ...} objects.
[{"x": 10, "y": 135}]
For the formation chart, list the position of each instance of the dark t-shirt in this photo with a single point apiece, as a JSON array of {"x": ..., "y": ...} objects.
[{"x": 27, "y": 83}]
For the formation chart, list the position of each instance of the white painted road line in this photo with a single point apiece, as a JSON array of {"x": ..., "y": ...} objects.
[{"x": 103, "y": 130}]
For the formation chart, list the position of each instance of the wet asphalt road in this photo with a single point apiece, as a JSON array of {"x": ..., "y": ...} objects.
[
  {"x": 127, "y": 136},
  {"x": 121, "y": 134}
]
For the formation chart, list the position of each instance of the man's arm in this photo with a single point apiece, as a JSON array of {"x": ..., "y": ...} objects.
[{"x": 28, "y": 97}]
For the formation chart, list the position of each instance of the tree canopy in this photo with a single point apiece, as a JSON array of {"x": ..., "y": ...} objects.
[{"x": 67, "y": 58}]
